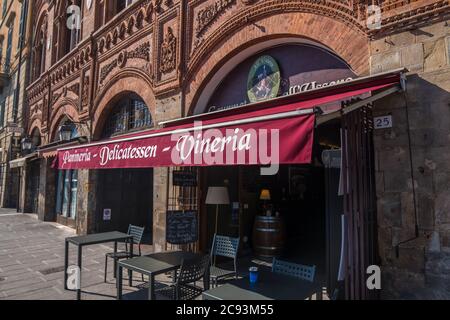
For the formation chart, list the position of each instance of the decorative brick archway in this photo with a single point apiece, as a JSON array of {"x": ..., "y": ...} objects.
[
  {"x": 349, "y": 43},
  {"x": 115, "y": 89},
  {"x": 35, "y": 125},
  {"x": 65, "y": 109}
]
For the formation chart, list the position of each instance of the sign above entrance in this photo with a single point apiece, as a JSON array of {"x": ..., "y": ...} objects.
[
  {"x": 263, "y": 80},
  {"x": 252, "y": 142},
  {"x": 265, "y": 134},
  {"x": 278, "y": 71}
]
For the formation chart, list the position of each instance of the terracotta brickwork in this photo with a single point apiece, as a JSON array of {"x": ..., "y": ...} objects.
[
  {"x": 172, "y": 53},
  {"x": 174, "y": 49}
]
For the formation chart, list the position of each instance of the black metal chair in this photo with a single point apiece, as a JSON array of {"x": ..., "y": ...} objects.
[
  {"x": 225, "y": 247},
  {"x": 137, "y": 233},
  {"x": 184, "y": 287},
  {"x": 294, "y": 270}
]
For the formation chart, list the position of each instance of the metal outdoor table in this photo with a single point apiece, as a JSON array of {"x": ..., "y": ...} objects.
[
  {"x": 97, "y": 238},
  {"x": 152, "y": 265},
  {"x": 270, "y": 286}
]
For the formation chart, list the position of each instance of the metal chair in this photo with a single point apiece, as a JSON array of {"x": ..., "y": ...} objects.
[
  {"x": 137, "y": 233},
  {"x": 294, "y": 270},
  {"x": 184, "y": 287},
  {"x": 225, "y": 247}
]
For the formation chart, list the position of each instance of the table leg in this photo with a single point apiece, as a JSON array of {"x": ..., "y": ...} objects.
[
  {"x": 151, "y": 284},
  {"x": 130, "y": 272},
  {"x": 119, "y": 282},
  {"x": 206, "y": 279},
  {"x": 80, "y": 254},
  {"x": 320, "y": 294},
  {"x": 66, "y": 263},
  {"x": 174, "y": 276},
  {"x": 115, "y": 260}
]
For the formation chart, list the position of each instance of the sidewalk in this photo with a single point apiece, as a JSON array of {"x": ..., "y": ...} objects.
[{"x": 32, "y": 261}]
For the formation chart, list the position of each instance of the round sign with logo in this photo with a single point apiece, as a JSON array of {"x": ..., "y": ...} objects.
[{"x": 264, "y": 79}]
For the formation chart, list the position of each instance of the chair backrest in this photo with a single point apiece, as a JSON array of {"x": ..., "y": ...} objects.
[
  {"x": 294, "y": 270},
  {"x": 225, "y": 246},
  {"x": 193, "y": 269},
  {"x": 136, "y": 232}
]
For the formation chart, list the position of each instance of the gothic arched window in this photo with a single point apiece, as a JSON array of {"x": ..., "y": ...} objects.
[
  {"x": 128, "y": 114},
  {"x": 39, "y": 48}
]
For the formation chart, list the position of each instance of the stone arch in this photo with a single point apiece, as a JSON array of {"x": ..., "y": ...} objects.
[
  {"x": 214, "y": 55},
  {"x": 36, "y": 124},
  {"x": 66, "y": 108},
  {"x": 121, "y": 84}
]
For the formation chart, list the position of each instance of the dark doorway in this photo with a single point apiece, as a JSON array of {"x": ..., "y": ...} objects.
[
  {"x": 32, "y": 194},
  {"x": 128, "y": 195}
]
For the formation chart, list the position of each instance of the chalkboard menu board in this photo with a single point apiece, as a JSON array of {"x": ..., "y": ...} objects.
[
  {"x": 181, "y": 227},
  {"x": 184, "y": 178}
]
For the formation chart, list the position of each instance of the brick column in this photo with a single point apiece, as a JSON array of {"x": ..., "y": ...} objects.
[
  {"x": 87, "y": 200},
  {"x": 159, "y": 208}
]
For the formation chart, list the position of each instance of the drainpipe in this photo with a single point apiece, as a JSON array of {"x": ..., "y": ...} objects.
[{"x": 416, "y": 217}]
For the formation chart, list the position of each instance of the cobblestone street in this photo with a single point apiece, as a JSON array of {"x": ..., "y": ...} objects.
[{"x": 32, "y": 262}]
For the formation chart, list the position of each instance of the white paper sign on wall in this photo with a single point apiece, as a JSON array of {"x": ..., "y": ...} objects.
[
  {"x": 106, "y": 214},
  {"x": 383, "y": 122}
]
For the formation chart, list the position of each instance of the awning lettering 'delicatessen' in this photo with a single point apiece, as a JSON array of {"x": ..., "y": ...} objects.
[
  {"x": 286, "y": 140},
  {"x": 278, "y": 132}
]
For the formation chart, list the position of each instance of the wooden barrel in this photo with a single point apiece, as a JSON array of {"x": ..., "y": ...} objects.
[{"x": 269, "y": 236}]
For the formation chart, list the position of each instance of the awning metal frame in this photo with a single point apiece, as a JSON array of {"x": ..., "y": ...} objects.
[
  {"x": 399, "y": 71},
  {"x": 321, "y": 119}
]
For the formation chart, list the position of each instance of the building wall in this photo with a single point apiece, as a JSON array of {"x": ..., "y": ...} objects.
[
  {"x": 173, "y": 53},
  {"x": 421, "y": 118},
  {"x": 10, "y": 142}
]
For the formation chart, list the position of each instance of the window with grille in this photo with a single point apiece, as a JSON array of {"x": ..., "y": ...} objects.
[{"x": 128, "y": 114}]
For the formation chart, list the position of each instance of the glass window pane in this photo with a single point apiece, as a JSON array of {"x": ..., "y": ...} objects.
[
  {"x": 59, "y": 194},
  {"x": 73, "y": 196},
  {"x": 66, "y": 193},
  {"x": 128, "y": 114}
]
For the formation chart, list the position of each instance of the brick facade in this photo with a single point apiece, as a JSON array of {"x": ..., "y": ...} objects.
[{"x": 172, "y": 53}]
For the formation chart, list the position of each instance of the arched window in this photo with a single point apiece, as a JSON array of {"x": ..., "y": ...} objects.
[
  {"x": 128, "y": 114},
  {"x": 73, "y": 34},
  {"x": 39, "y": 49},
  {"x": 65, "y": 38},
  {"x": 109, "y": 8},
  {"x": 35, "y": 139}
]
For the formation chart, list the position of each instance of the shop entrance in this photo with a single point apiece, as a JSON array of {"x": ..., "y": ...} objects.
[
  {"x": 125, "y": 196},
  {"x": 297, "y": 215},
  {"x": 32, "y": 196}
]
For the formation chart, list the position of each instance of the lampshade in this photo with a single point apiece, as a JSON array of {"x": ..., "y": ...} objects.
[
  {"x": 217, "y": 195},
  {"x": 265, "y": 194}
]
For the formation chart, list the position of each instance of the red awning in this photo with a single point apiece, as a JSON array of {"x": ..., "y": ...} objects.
[{"x": 261, "y": 134}]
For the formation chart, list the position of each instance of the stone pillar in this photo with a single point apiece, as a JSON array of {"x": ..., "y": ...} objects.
[
  {"x": 23, "y": 188},
  {"x": 47, "y": 191},
  {"x": 166, "y": 109},
  {"x": 160, "y": 182},
  {"x": 87, "y": 200}
]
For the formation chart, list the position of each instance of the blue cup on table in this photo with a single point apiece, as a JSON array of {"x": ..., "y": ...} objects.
[{"x": 253, "y": 274}]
